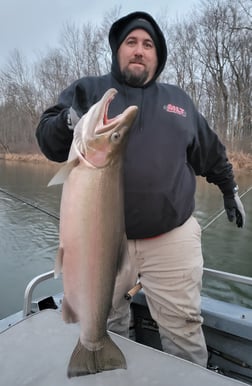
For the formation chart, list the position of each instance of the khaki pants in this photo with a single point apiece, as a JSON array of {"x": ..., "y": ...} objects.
[{"x": 170, "y": 268}]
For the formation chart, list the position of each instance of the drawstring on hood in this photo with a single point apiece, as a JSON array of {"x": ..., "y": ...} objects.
[{"x": 122, "y": 27}]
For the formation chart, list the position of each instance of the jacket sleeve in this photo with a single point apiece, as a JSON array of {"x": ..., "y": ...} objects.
[
  {"x": 53, "y": 134},
  {"x": 207, "y": 155}
]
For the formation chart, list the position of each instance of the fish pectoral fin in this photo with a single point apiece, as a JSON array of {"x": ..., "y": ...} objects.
[
  {"x": 58, "y": 263},
  {"x": 68, "y": 314},
  {"x": 84, "y": 361},
  {"x": 63, "y": 173}
]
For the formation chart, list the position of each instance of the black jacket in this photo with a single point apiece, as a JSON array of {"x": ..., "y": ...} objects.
[{"x": 169, "y": 143}]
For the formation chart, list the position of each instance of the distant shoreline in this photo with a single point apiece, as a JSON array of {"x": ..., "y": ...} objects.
[
  {"x": 24, "y": 157},
  {"x": 239, "y": 160}
]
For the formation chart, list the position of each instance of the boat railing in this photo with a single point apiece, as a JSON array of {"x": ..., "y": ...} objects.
[
  {"x": 228, "y": 276},
  {"x": 27, "y": 309}
]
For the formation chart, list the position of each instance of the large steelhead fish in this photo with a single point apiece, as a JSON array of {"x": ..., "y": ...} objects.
[{"x": 92, "y": 234}]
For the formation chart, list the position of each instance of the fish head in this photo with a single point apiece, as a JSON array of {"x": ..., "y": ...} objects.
[{"x": 99, "y": 140}]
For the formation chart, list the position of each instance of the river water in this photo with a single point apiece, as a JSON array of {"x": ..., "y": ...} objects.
[{"x": 29, "y": 234}]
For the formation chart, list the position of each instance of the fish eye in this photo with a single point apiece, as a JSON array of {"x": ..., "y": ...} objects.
[{"x": 115, "y": 136}]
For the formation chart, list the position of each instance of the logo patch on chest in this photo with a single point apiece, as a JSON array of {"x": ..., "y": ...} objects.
[{"x": 175, "y": 110}]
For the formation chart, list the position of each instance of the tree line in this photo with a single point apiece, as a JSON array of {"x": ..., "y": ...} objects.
[{"x": 209, "y": 56}]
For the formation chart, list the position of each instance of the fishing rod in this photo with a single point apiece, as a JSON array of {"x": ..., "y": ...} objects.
[
  {"x": 54, "y": 215},
  {"x": 33, "y": 205},
  {"x": 223, "y": 211}
]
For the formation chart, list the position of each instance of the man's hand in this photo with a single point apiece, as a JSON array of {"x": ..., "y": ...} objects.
[
  {"x": 235, "y": 209},
  {"x": 72, "y": 118}
]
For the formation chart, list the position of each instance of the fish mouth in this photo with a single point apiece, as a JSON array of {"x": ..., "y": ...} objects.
[
  {"x": 97, "y": 139},
  {"x": 107, "y": 125},
  {"x": 95, "y": 135},
  {"x": 105, "y": 122}
]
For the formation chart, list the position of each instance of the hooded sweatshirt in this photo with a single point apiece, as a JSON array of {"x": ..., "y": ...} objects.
[{"x": 169, "y": 143}]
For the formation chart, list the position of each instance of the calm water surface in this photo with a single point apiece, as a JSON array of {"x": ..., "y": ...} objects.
[{"x": 29, "y": 236}]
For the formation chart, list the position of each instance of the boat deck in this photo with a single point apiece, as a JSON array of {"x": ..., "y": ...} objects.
[{"x": 36, "y": 351}]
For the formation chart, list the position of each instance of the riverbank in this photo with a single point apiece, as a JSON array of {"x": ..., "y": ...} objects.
[{"x": 240, "y": 160}]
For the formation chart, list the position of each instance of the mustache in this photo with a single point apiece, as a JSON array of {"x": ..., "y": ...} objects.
[{"x": 137, "y": 61}]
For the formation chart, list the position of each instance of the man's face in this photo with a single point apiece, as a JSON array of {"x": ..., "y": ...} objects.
[{"x": 137, "y": 58}]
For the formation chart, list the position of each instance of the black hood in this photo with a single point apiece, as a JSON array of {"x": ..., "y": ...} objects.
[{"x": 118, "y": 29}]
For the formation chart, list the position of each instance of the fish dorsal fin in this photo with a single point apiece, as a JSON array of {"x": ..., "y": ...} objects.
[{"x": 63, "y": 173}]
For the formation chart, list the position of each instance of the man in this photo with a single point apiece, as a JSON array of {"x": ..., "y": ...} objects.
[{"x": 169, "y": 143}]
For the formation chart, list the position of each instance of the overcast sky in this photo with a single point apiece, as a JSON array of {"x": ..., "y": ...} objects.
[{"x": 33, "y": 26}]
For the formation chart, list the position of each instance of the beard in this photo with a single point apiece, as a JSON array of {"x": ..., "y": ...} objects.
[{"x": 134, "y": 79}]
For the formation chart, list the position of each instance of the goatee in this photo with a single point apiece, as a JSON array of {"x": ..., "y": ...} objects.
[{"x": 134, "y": 80}]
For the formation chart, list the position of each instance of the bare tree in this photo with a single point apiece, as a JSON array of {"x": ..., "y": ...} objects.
[
  {"x": 52, "y": 76},
  {"x": 239, "y": 57},
  {"x": 213, "y": 39},
  {"x": 19, "y": 103},
  {"x": 246, "y": 9},
  {"x": 17, "y": 84},
  {"x": 86, "y": 47},
  {"x": 183, "y": 67},
  {"x": 82, "y": 48},
  {"x": 209, "y": 56}
]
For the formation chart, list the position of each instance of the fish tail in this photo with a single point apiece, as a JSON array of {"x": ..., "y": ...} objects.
[{"x": 84, "y": 361}]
